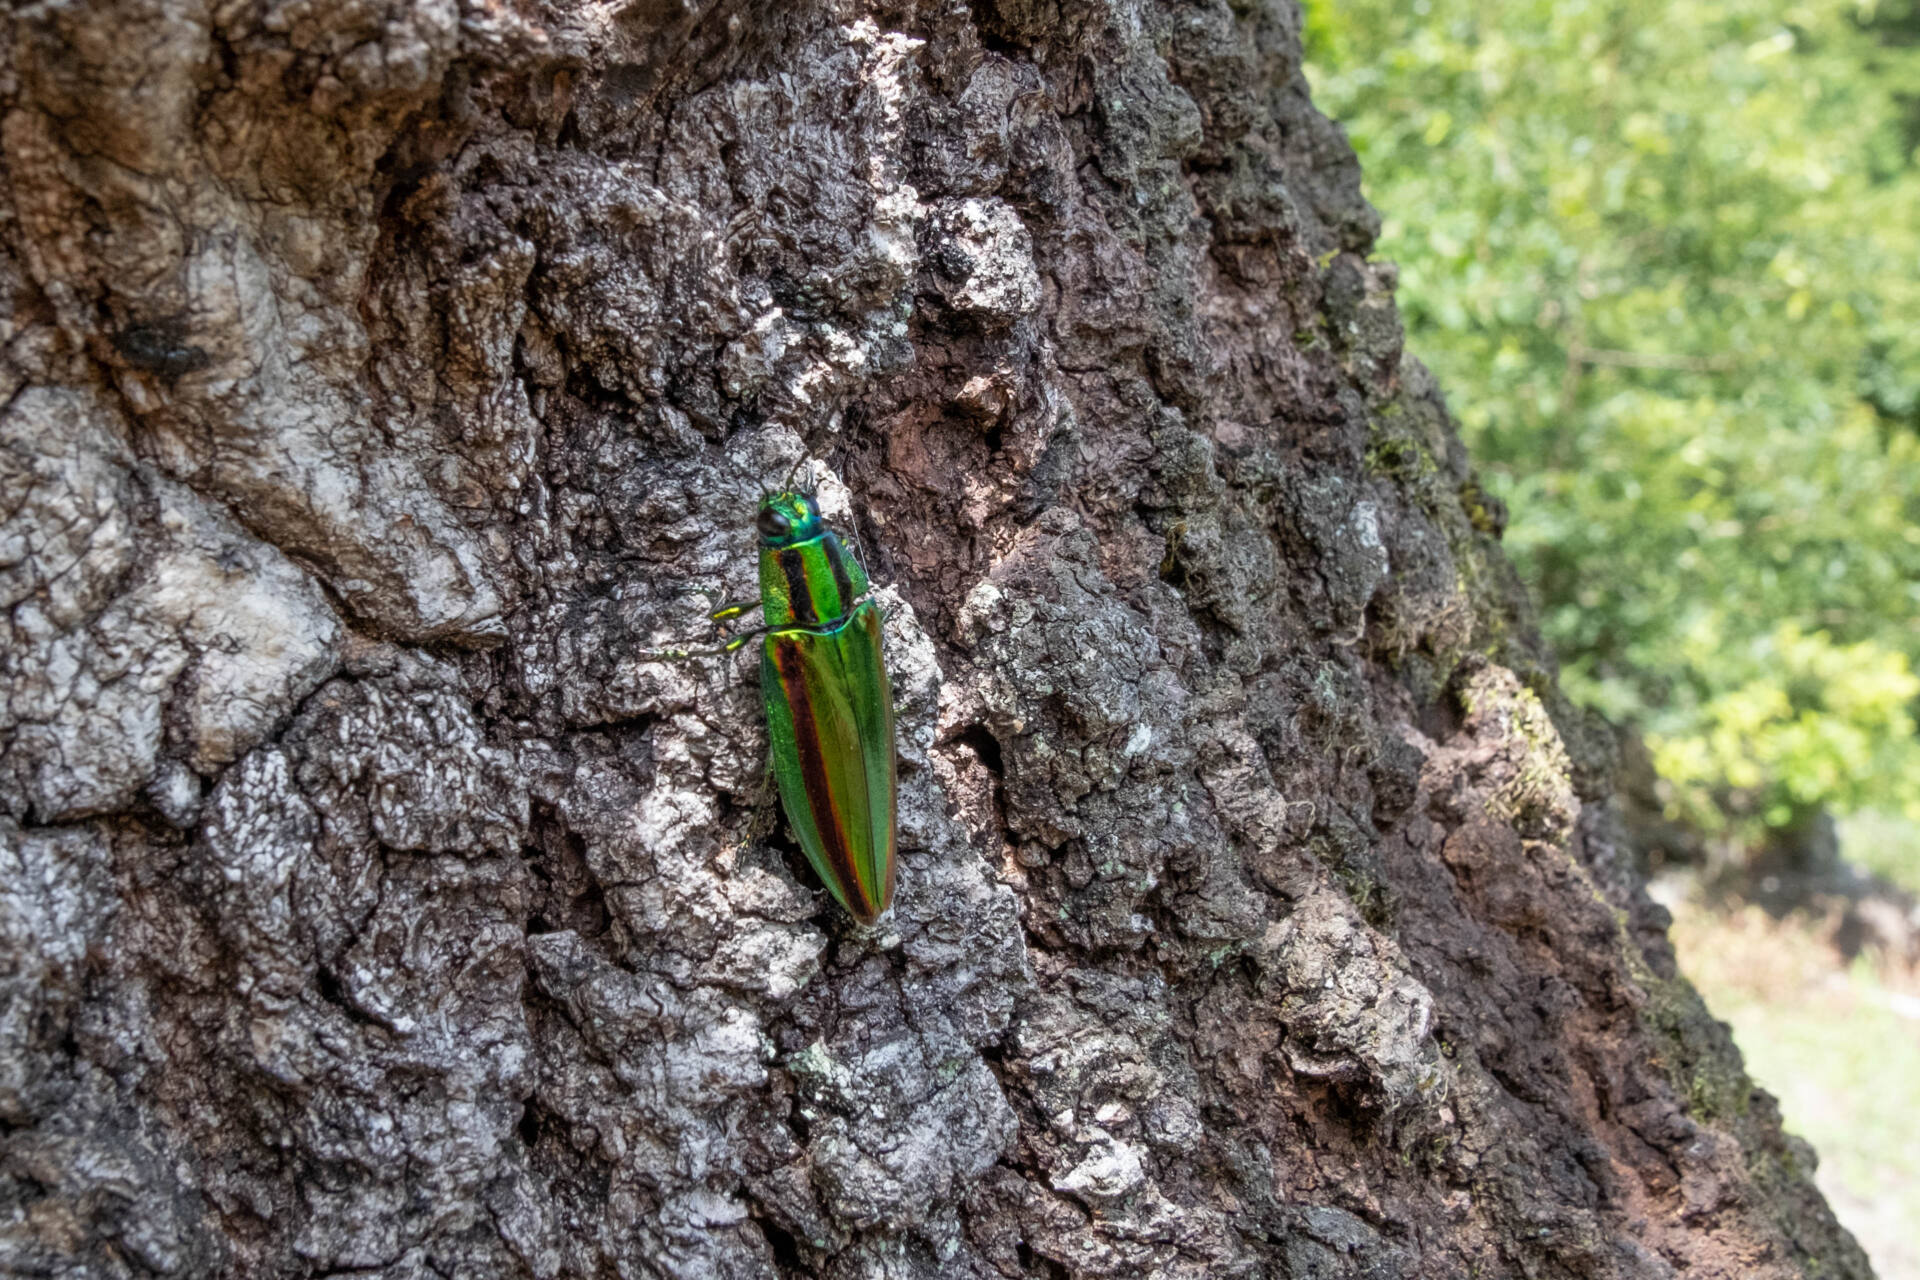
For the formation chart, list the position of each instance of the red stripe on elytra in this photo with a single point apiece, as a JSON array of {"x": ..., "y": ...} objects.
[{"x": 813, "y": 776}]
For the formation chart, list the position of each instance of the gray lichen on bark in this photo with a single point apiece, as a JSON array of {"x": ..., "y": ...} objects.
[{"x": 385, "y": 384}]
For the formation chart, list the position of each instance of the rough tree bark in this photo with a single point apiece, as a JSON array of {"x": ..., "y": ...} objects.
[{"x": 383, "y": 380}]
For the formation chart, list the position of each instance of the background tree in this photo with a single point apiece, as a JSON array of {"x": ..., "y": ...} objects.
[
  {"x": 384, "y": 384},
  {"x": 1663, "y": 257}
]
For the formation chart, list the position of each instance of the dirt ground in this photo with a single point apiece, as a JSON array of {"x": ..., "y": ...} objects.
[{"x": 1837, "y": 1040}]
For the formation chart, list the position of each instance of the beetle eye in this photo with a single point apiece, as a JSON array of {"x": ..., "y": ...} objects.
[{"x": 772, "y": 524}]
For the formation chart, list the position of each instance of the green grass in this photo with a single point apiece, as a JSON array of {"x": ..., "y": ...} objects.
[{"x": 1840, "y": 1048}]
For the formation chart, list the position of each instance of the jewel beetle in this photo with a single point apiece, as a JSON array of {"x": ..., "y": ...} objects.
[{"x": 823, "y": 682}]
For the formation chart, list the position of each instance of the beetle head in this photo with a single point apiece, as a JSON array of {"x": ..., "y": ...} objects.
[{"x": 788, "y": 518}]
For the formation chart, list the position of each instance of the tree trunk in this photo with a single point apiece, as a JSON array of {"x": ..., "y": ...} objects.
[{"x": 386, "y": 385}]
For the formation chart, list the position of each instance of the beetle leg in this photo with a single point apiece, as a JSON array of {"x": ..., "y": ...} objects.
[
  {"x": 765, "y": 807},
  {"x": 733, "y": 645}
]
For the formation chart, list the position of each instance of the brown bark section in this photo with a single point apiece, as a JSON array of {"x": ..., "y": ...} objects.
[{"x": 383, "y": 382}]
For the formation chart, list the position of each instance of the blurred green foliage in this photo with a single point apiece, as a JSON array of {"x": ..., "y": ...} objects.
[{"x": 1665, "y": 257}]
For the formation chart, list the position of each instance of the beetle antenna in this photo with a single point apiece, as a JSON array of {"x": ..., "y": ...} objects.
[{"x": 787, "y": 480}]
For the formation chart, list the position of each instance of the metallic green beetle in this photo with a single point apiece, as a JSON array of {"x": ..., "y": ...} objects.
[{"x": 829, "y": 705}]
